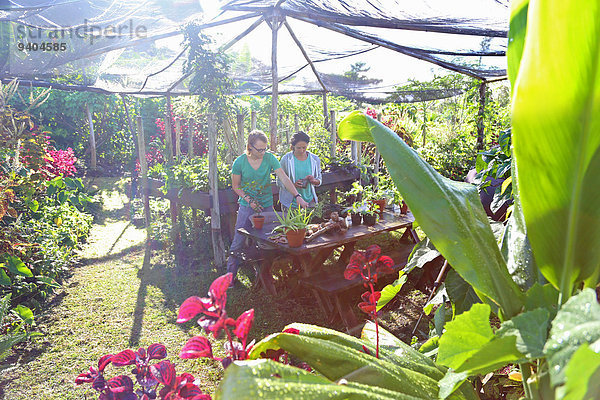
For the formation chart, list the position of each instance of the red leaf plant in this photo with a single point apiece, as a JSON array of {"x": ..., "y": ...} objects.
[
  {"x": 367, "y": 265},
  {"x": 214, "y": 319},
  {"x": 149, "y": 377}
]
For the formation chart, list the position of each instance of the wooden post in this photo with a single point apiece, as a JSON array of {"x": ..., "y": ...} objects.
[
  {"x": 94, "y": 160},
  {"x": 275, "y": 79},
  {"x": 191, "y": 123},
  {"x": 229, "y": 137},
  {"x": 253, "y": 120},
  {"x": 134, "y": 182},
  {"x": 333, "y": 130},
  {"x": 143, "y": 173},
  {"x": 354, "y": 151},
  {"x": 480, "y": 116},
  {"x": 358, "y": 152},
  {"x": 333, "y": 144},
  {"x": 240, "y": 133},
  {"x": 296, "y": 123},
  {"x": 168, "y": 131},
  {"x": 325, "y": 116},
  {"x": 215, "y": 214},
  {"x": 178, "y": 138}
]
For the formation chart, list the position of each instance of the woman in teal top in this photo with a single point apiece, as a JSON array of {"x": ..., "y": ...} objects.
[
  {"x": 251, "y": 180},
  {"x": 304, "y": 169}
]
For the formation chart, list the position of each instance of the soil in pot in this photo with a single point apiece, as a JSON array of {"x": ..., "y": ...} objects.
[
  {"x": 369, "y": 220},
  {"x": 356, "y": 219},
  {"x": 295, "y": 238},
  {"x": 258, "y": 221}
]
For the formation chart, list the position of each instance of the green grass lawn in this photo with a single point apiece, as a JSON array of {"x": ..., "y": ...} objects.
[{"x": 121, "y": 295}]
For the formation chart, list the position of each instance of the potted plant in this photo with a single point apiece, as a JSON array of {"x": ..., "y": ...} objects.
[
  {"x": 258, "y": 220},
  {"x": 355, "y": 212},
  {"x": 370, "y": 214},
  {"x": 293, "y": 223}
]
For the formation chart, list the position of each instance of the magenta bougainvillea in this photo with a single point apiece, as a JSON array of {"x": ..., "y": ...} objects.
[{"x": 61, "y": 162}]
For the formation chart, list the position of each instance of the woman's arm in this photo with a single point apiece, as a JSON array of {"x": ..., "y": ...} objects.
[
  {"x": 290, "y": 187},
  {"x": 236, "y": 185}
]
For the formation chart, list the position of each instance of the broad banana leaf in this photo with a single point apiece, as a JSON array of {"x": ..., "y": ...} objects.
[
  {"x": 556, "y": 138},
  {"x": 449, "y": 212}
]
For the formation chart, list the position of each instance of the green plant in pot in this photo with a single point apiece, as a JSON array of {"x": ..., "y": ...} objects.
[
  {"x": 370, "y": 214},
  {"x": 293, "y": 223},
  {"x": 355, "y": 212}
]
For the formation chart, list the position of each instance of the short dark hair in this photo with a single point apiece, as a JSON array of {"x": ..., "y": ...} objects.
[{"x": 299, "y": 137}]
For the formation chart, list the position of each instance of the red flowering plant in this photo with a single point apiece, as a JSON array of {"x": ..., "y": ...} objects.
[
  {"x": 368, "y": 264},
  {"x": 214, "y": 320},
  {"x": 148, "y": 376}
]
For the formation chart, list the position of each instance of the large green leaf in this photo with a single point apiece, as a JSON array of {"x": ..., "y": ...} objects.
[
  {"x": 337, "y": 361},
  {"x": 460, "y": 293},
  {"x": 531, "y": 330},
  {"x": 266, "y": 379},
  {"x": 449, "y": 212},
  {"x": 542, "y": 297},
  {"x": 422, "y": 253},
  {"x": 391, "y": 348},
  {"x": 390, "y": 291},
  {"x": 576, "y": 323},
  {"x": 16, "y": 266},
  {"x": 464, "y": 336},
  {"x": 583, "y": 375},
  {"x": 556, "y": 138},
  {"x": 4, "y": 278},
  {"x": 516, "y": 36},
  {"x": 469, "y": 345}
]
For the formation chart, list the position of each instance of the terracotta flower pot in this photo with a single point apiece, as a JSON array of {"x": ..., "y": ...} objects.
[
  {"x": 356, "y": 219},
  {"x": 369, "y": 219},
  {"x": 258, "y": 221},
  {"x": 295, "y": 238},
  {"x": 380, "y": 205},
  {"x": 403, "y": 208}
]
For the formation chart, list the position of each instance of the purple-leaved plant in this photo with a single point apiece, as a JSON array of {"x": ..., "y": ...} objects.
[
  {"x": 148, "y": 376},
  {"x": 214, "y": 320},
  {"x": 368, "y": 264}
]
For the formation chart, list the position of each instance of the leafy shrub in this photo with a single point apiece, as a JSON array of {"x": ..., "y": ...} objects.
[{"x": 190, "y": 173}]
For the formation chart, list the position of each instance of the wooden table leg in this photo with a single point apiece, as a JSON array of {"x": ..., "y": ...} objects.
[
  {"x": 265, "y": 277},
  {"x": 346, "y": 313},
  {"x": 346, "y": 253},
  {"x": 410, "y": 234}
]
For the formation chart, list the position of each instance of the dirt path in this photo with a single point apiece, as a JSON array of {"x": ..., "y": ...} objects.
[{"x": 112, "y": 301}]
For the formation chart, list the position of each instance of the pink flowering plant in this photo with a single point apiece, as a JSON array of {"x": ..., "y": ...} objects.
[
  {"x": 214, "y": 320},
  {"x": 61, "y": 162},
  {"x": 147, "y": 375}
]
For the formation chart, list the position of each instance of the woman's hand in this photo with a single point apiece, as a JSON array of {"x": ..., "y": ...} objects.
[
  {"x": 312, "y": 179},
  {"x": 255, "y": 205},
  {"x": 301, "y": 202}
]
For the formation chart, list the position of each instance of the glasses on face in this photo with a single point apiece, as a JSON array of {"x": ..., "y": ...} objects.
[{"x": 258, "y": 150}]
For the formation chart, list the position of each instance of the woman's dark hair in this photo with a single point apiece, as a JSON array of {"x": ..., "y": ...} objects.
[{"x": 299, "y": 137}]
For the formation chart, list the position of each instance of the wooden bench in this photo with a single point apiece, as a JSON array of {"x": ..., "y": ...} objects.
[{"x": 332, "y": 286}]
